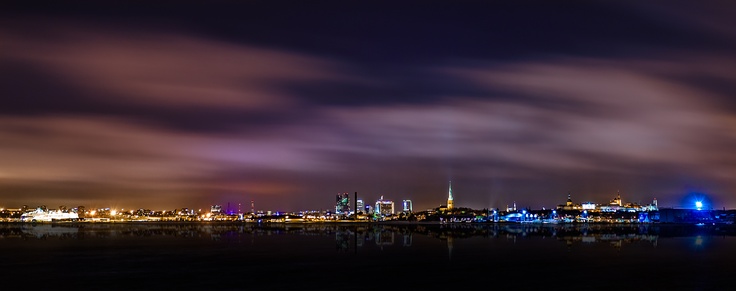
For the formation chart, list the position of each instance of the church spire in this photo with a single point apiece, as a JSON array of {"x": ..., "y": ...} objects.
[{"x": 450, "y": 201}]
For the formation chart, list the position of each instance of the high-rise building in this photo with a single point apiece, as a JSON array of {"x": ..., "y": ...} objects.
[
  {"x": 408, "y": 207},
  {"x": 216, "y": 209},
  {"x": 450, "y": 202},
  {"x": 342, "y": 204},
  {"x": 360, "y": 205},
  {"x": 384, "y": 207}
]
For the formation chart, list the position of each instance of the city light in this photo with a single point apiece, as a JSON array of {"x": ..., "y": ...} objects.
[{"x": 699, "y": 207}]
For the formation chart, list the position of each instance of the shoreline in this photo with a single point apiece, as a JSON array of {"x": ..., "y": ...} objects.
[{"x": 406, "y": 223}]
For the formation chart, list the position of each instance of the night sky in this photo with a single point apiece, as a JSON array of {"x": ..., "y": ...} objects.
[{"x": 170, "y": 104}]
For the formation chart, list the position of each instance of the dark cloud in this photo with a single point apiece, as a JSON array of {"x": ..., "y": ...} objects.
[{"x": 289, "y": 103}]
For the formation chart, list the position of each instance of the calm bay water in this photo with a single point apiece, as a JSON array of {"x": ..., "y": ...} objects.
[{"x": 212, "y": 256}]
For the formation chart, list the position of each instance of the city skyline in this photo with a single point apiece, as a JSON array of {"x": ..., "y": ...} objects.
[
  {"x": 347, "y": 204},
  {"x": 286, "y": 103}
]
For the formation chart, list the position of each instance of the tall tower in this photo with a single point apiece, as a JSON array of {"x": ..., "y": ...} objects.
[
  {"x": 408, "y": 207},
  {"x": 342, "y": 204},
  {"x": 450, "y": 203}
]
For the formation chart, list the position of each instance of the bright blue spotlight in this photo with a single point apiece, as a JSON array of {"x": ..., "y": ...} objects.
[{"x": 698, "y": 205}]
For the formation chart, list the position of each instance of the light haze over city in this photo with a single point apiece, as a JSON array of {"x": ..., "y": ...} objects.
[{"x": 288, "y": 103}]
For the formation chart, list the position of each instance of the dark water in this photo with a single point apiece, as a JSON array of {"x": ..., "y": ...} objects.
[{"x": 203, "y": 256}]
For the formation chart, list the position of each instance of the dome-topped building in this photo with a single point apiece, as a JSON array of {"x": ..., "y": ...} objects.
[{"x": 569, "y": 205}]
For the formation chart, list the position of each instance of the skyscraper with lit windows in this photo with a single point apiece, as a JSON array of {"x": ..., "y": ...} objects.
[
  {"x": 384, "y": 207},
  {"x": 342, "y": 204}
]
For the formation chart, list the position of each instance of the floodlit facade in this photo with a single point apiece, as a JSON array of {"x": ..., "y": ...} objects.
[
  {"x": 40, "y": 215},
  {"x": 615, "y": 205},
  {"x": 342, "y": 204},
  {"x": 360, "y": 205},
  {"x": 384, "y": 207},
  {"x": 408, "y": 207},
  {"x": 450, "y": 200}
]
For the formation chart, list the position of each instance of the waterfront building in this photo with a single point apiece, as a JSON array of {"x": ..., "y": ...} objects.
[
  {"x": 216, "y": 209},
  {"x": 512, "y": 208},
  {"x": 384, "y": 207},
  {"x": 617, "y": 200},
  {"x": 569, "y": 205},
  {"x": 342, "y": 204},
  {"x": 588, "y": 206},
  {"x": 360, "y": 206},
  {"x": 654, "y": 206},
  {"x": 407, "y": 206},
  {"x": 46, "y": 215},
  {"x": 616, "y": 205},
  {"x": 450, "y": 200}
]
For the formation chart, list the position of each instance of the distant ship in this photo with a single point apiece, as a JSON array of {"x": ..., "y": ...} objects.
[{"x": 39, "y": 215}]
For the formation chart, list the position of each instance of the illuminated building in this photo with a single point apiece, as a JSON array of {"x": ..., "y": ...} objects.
[
  {"x": 616, "y": 204},
  {"x": 384, "y": 207},
  {"x": 588, "y": 206},
  {"x": 653, "y": 206},
  {"x": 43, "y": 215},
  {"x": 216, "y": 209},
  {"x": 511, "y": 209},
  {"x": 569, "y": 205},
  {"x": 408, "y": 207},
  {"x": 342, "y": 204},
  {"x": 450, "y": 202},
  {"x": 617, "y": 200},
  {"x": 360, "y": 205}
]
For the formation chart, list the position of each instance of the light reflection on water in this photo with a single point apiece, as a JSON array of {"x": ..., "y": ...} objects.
[
  {"x": 197, "y": 254},
  {"x": 359, "y": 235}
]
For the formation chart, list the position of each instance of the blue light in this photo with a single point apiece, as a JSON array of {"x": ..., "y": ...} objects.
[{"x": 697, "y": 201}]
